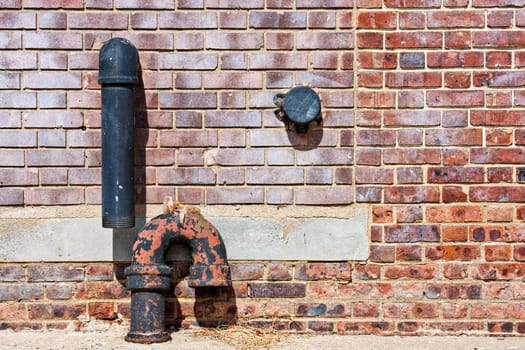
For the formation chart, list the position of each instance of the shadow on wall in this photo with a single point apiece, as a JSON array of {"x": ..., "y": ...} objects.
[
  {"x": 141, "y": 141},
  {"x": 303, "y": 142},
  {"x": 209, "y": 306}
]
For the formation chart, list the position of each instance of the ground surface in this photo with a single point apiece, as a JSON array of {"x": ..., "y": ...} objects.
[{"x": 188, "y": 340}]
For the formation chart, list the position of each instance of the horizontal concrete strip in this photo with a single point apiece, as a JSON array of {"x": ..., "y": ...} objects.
[{"x": 245, "y": 238}]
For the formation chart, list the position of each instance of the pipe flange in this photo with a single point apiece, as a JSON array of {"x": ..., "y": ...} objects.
[{"x": 148, "y": 277}]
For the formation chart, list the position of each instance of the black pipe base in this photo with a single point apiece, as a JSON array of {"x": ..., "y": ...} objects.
[
  {"x": 147, "y": 338},
  {"x": 118, "y": 221}
]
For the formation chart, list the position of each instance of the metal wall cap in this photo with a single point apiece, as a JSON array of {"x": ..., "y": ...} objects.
[{"x": 118, "y": 62}]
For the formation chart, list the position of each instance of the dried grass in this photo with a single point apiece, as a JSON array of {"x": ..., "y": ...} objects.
[{"x": 244, "y": 337}]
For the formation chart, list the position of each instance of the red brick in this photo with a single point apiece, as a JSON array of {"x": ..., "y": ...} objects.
[
  {"x": 188, "y": 20},
  {"x": 277, "y": 20},
  {"x": 458, "y": 40},
  {"x": 54, "y": 4},
  {"x": 376, "y": 138},
  {"x": 365, "y": 290},
  {"x": 411, "y": 156},
  {"x": 59, "y": 291},
  {"x": 150, "y": 41},
  {"x": 97, "y": 20},
  {"x": 376, "y": 20},
  {"x": 323, "y": 196},
  {"x": 279, "y": 272},
  {"x": 326, "y": 79},
  {"x": 151, "y": 4},
  {"x": 322, "y": 19},
  {"x": 102, "y": 310},
  {"x": 453, "y": 291},
  {"x": 412, "y": 233},
  {"x": 13, "y": 311},
  {"x": 326, "y": 4},
  {"x": 497, "y": 252},
  {"x": 498, "y": 39},
  {"x": 411, "y": 20},
  {"x": 497, "y": 155},
  {"x": 499, "y": 138},
  {"x": 244, "y": 195},
  {"x": 277, "y": 290},
  {"x": 369, "y": 175},
  {"x": 12, "y": 273},
  {"x": 412, "y": 3},
  {"x": 375, "y": 60},
  {"x": 320, "y": 40},
  {"x": 373, "y": 99},
  {"x": 279, "y": 41},
  {"x": 409, "y": 214},
  {"x": 382, "y": 254},
  {"x": 58, "y": 273},
  {"x": 425, "y": 272},
  {"x": 408, "y": 253},
  {"x": 234, "y": 41},
  {"x": 188, "y": 61},
  {"x": 370, "y": 40},
  {"x": 54, "y": 196},
  {"x": 456, "y": 19},
  {"x": 453, "y": 252},
  {"x": 498, "y": 271},
  {"x": 407, "y": 40},
  {"x": 411, "y": 194},
  {"x": 411, "y": 118},
  {"x": 53, "y": 40}
]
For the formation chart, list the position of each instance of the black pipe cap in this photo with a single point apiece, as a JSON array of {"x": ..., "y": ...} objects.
[{"x": 118, "y": 62}]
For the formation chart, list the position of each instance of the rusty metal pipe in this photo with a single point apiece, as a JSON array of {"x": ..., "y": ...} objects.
[{"x": 148, "y": 277}]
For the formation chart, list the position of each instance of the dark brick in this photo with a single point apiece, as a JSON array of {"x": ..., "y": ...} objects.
[{"x": 277, "y": 290}]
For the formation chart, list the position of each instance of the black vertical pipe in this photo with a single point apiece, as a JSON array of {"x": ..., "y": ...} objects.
[{"x": 118, "y": 74}]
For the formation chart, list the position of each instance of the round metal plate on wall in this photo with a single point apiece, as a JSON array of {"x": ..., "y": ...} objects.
[{"x": 301, "y": 105}]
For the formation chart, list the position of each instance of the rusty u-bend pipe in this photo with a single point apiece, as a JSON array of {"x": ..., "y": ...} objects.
[{"x": 148, "y": 277}]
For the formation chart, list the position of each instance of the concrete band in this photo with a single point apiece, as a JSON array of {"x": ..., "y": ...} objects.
[{"x": 245, "y": 238}]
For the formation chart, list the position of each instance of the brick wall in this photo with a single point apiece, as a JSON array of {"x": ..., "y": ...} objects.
[{"x": 423, "y": 124}]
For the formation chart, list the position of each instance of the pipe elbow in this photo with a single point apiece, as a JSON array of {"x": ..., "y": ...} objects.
[
  {"x": 210, "y": 266},
  {"x": 148, "y": 269}
]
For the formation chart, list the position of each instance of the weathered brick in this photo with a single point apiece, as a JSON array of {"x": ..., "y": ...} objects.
[
  {"x": 319, "y": 40},
  {"x": 243, "y": 195},
  {"x": 150, "y": 41},
  {"x": 194, "y": 100},
  {"x": 233, "y": 80},
  {"x": 277, "y": 290},
  {"x": 151, "y": 4},
  {"x": 241, "y": 272},
  {"x": 55, "y": 273},
  {"x": 54, "y": 196},
  {"x": 234, "y": 41},
  {"x": 277, "y": 20}
]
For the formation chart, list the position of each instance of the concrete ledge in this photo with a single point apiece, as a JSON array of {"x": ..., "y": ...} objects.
[{"x": 245, "y": 238}]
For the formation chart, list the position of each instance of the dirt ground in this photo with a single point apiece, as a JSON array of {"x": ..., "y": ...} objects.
[{"x": 192, "y": 340}]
